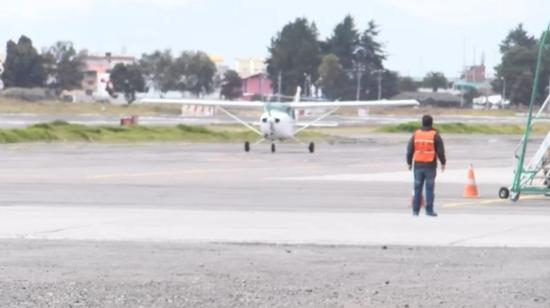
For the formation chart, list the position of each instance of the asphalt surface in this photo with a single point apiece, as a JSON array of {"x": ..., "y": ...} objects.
[
  {"x": 365, "y": 175},
  {"x": 58, "y": 199}
]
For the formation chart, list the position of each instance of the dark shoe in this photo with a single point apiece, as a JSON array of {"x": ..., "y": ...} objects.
[
  {"x": 415, "y": 213},
  {"x": 432, "y": 214}
]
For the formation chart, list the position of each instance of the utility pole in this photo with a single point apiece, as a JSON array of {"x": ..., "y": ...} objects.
[
  {"x": 307, "y": 85},
  {"x": 503, "y": 90},
  {"x": 261, "y": 87},
  {"x": 379, "y": 83},
  {"x": 359, "y": 75},
  {"x": 359, "y": 55},
  {"x": 279, "y": 85}
]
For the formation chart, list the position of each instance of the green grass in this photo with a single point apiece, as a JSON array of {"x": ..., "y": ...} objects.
[
  {"x": 60, "y": 131},
  {"x": 460, "y": 128}
]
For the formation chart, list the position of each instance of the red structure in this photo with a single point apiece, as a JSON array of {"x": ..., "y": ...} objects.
[
  {"x": 475, "y": 74},
  {"x": 256, "y": 85}
]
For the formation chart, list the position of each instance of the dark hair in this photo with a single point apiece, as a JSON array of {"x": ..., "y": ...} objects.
[{"x": 427, "y": 121}]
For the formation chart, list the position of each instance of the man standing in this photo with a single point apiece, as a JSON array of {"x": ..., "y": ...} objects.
[{"x": 424, "y": 148}]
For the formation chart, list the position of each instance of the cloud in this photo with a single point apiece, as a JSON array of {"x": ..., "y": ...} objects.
[
  {"x": 461, "y": 12},
  {"x": 39, "y": 10},
  {"x": 165, "y": 3},
  {"x": 47, "y": 10}
]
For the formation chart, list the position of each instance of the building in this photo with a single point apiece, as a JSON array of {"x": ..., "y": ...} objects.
[
  {"x": 247, "y": 67},
  {"x": 256, "y": 85},
  {"x": 97, "y": 69},
  {"x": 219, "y": 61},
  {"x": 474, "y": 78},
  {"x": 475, "y": 74},
  {"x": 221, "y": 69}
]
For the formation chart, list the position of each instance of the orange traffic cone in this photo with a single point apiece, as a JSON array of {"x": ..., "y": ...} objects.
[{"x": 470, "y": 190}]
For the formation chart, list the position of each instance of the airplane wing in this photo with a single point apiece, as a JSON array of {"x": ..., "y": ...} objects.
[
  {"x": 381, "y": 103},
  {"x": 200, "y": 102}
]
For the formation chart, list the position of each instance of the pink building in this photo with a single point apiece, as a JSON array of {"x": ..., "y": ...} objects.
[{"x": 256, "y": 85}]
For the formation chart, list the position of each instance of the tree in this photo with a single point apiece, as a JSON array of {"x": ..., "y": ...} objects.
[
  {"x": 156, "y": 68},
  {"x": 177, "y": 73},
  {"x": 374, "y": 50},
  {"x": 390, "y": 84},
  {"x": 518, "y": 37},
  {"x": 231, "y": 85},
  {"x": 332, "y": 77},
  {"x": 361, "y": 55},
  {"x": 295, "y": 54},
  {"x": 344, "y": 42},
  {"x": 63, "y": 66},
  {"x": 23, "y": 66},
  {"x": 469, "y": 94},
  {"x": 407, "y": 84},
  {"x": 517, "y": 67},
  {"x": 435, "y": 80},
  {"x": 200, "y": 74},
  {"x": 192, "y": 72},
  {"x": 128, "y": 79}
]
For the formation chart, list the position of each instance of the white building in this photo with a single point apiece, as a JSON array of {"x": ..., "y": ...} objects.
[
  {"x": 247, "y": 67},
  {"x": 97, "y": 69}
]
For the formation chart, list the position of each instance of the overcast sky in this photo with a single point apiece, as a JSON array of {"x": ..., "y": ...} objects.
[{"x": 419, "y": 35}]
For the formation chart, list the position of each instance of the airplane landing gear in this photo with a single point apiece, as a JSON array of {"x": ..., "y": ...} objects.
[
  {"x": 247, "y": 146},
  {"x": 311, "y": 147},
  {"x": 273, "y": 148}
]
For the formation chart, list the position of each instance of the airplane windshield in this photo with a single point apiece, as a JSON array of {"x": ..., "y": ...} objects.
[{"x": 280, "y": 107}]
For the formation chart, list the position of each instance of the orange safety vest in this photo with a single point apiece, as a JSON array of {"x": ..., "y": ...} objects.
[{"x": 424, "y": 146}]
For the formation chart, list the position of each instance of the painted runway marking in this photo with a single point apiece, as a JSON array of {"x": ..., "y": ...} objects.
[
  {"x": 145, "y": 174},
  {"x": 486, "y": 202},
  {"x": 483, "y": 176}
]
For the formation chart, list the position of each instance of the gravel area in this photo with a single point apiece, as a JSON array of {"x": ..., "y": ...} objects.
[{"x": 113, "y": 274}]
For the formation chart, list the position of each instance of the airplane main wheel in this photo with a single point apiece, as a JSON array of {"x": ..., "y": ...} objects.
[
  {"x": 311, "y": 147},
  {"x": 247, "y": 146},
  {"x": 273, "y": 148},
  {"x": 504, "y": 193}
]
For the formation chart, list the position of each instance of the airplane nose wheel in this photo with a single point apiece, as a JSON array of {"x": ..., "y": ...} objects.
[
  {"x": 311, "y": 147},
  {"x": 247, "y": 146},
  {"x": 273, "y": 148}
]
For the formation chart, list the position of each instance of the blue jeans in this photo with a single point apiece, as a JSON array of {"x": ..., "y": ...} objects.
[{"x": 424, "y": 175}]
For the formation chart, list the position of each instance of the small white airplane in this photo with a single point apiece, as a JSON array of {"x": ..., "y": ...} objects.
[{"x": 279, "y": 119}]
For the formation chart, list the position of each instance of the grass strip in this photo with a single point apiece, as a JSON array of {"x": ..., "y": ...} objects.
[
  {"x": 461, "y": 128},
  {"x": 60, "y": 131}
]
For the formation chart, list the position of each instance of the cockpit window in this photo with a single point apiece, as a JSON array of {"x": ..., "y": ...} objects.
[{"x": 281, "y": 107}]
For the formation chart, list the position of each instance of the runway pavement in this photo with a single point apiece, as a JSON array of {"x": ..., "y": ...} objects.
[{"x": 351, "y": 193}]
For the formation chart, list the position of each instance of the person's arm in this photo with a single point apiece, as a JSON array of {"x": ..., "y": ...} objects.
[
  {"x": 440, "y": 150},
  {"x": 410, "y": 152}
]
